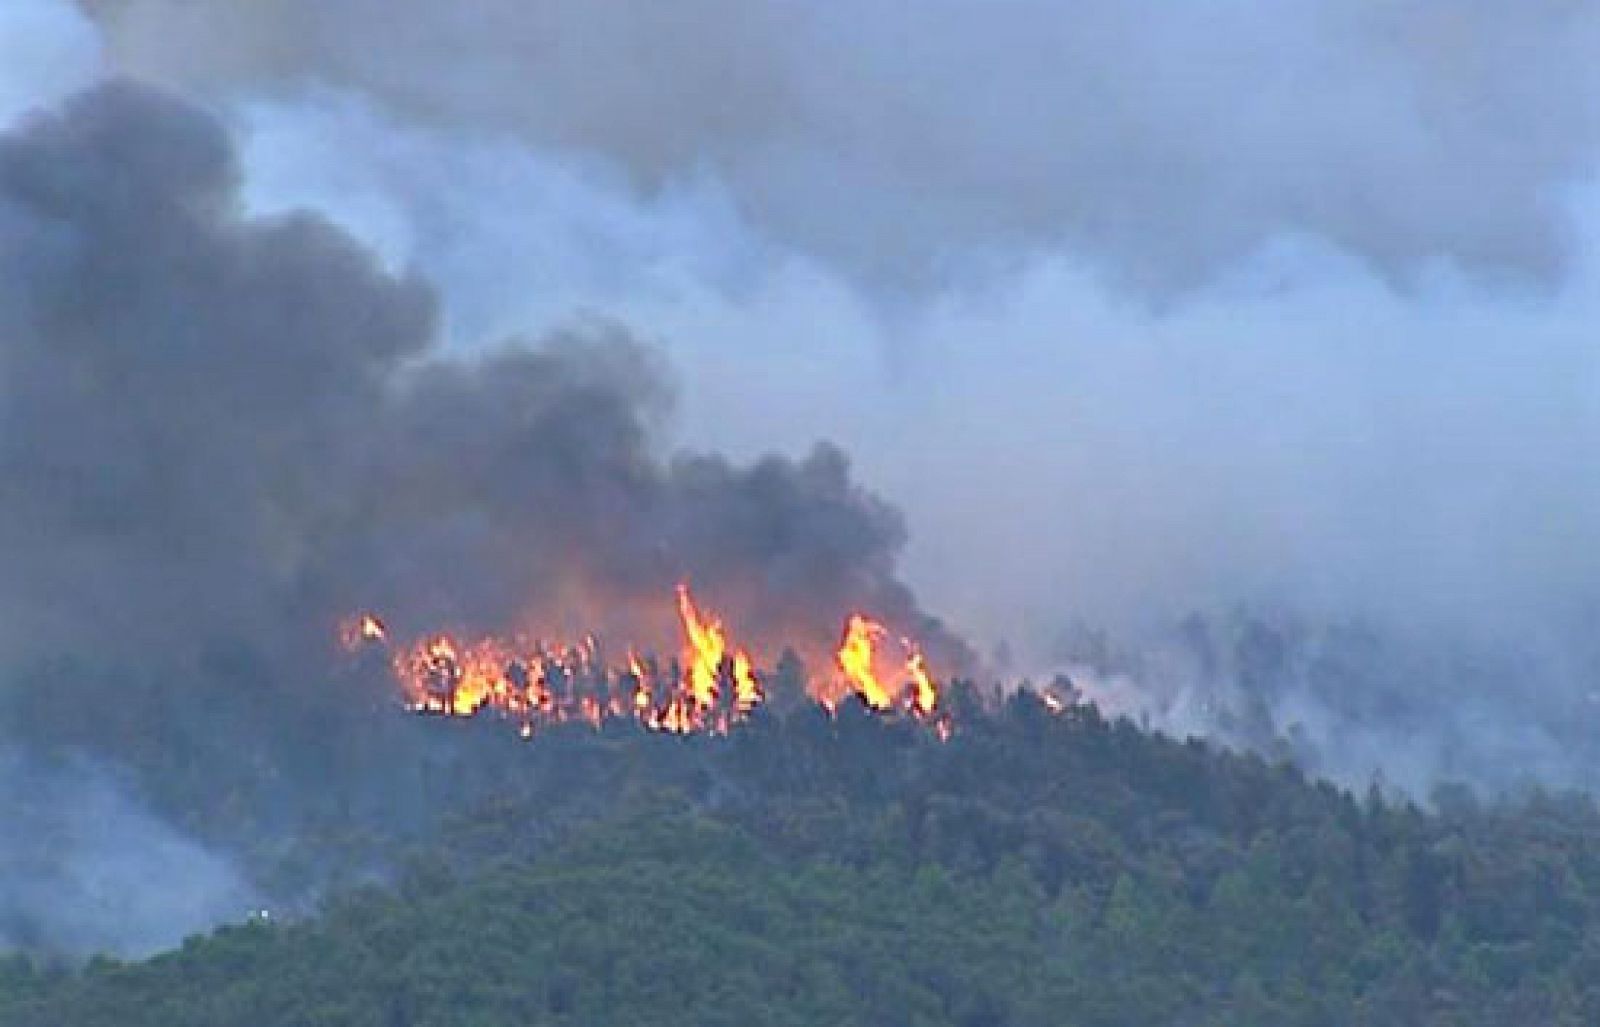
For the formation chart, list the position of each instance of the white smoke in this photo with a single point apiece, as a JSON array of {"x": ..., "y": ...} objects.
[{"x": 85, "y": 868}]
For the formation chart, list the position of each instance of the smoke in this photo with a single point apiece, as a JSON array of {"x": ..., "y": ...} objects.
[
  {"x": 907, "y": 149},
  {"x": 1296, "y": 433},
  {"x": 219, "y": 434},
  {"x": 1356, "y": 703},
  {"x": 1130, "y": 313},
  {"x": 177, "y": 382},
  {"x": 524, "y": 488},
  {"x": 238, "y": 420},
  {"x": 88, "y": 869}
]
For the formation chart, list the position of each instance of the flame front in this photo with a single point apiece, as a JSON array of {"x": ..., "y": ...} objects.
[{"x": 714, "y": 685}]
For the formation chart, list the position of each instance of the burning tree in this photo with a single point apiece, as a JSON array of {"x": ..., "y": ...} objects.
[{"x": 710, "y": 685}]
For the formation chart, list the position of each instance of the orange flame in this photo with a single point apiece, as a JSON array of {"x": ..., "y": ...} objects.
[
  {"x": 533, "y": 683},
  {"x": 746, "y": 689},
  {"x": 856, "y": 655},
  {"x": 707, "y": 645},
  {"x": 926, "y": 696}
]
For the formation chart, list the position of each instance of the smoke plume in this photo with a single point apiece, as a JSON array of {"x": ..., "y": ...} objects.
[
  {"x": 220, "y": 434},
  {"x": 1129, "y": 313}
]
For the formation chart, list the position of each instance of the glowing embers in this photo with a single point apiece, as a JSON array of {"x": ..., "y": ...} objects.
[{"x": 713, "y": 684}]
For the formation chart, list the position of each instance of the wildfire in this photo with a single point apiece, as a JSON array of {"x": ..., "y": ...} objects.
[
  {"x": 706, "y": 649},
  {"x": 363, "y": 629},
  {"x": 714, "y": 685},
  {"x": 859, "y": 658},
  {"x": 856, "y": 656},
  {"x": 926, "y": 696},
  {"x": 747, "y": 694}
]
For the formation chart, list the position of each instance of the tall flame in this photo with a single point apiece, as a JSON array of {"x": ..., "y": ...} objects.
[
  {"x": 747, "y": 693},
  {"x": 707, "y": 646},
  {"x": 926, "y": 696},
  {"x": 856, "y": 654},
  {"x": 716, "y": 684}
]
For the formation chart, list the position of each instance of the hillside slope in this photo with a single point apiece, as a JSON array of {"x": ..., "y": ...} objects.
[{"x": 1037, "y": 868}]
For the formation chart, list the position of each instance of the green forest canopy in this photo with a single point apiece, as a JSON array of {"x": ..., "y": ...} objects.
[{"x": 1037, "y": 868}]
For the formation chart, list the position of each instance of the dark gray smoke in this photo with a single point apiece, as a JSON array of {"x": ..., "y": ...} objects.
[
  {"x": 219, "y": 435},
  {"x": 183, "y": 392},
  {"x": 526, "y": 484},
  {"x": 217, "y": 426}
]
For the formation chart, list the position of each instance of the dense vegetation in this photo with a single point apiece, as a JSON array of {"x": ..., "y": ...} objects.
[{"x": 1037, "y": 868}]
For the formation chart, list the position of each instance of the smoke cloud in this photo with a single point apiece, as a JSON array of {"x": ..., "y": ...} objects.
[
  {"x": 1283, "y": 316},
  {"x": 211, "y": 416},
  {"x": 220, "y": 434},
  {"x": 1164, "y": 144}
]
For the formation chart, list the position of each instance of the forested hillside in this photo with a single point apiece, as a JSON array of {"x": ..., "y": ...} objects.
[{"x": 1039, "y": 867}]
